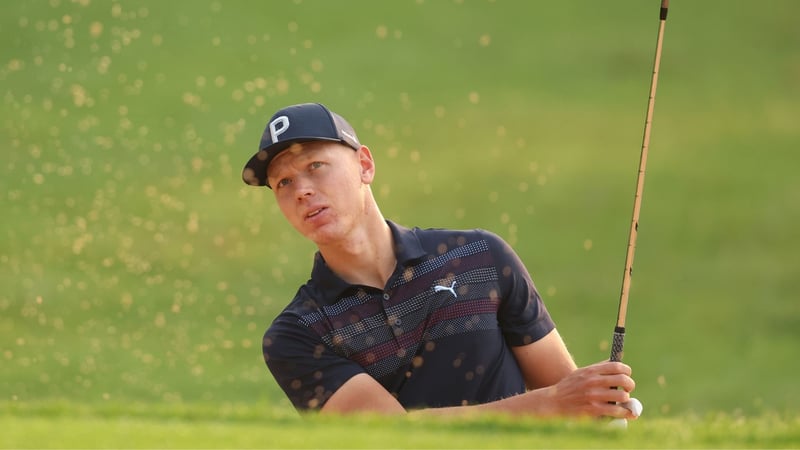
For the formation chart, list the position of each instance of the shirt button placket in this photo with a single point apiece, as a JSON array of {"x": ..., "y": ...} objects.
[{"x": 394, "y": 322}]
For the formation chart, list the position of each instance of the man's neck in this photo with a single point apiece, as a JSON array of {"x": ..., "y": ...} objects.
[{"x": 367, "y": 257}]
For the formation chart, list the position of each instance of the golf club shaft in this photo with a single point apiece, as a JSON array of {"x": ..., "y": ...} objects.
[{"x": 619, "y": 329}]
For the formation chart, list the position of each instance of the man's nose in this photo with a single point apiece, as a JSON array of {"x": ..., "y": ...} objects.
[{"x": 303, "y": 188}]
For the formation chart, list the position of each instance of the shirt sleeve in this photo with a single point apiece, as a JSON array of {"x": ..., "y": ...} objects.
[
  {"x": 522, "y": 315},
  {"x": 307, "y": 370}
]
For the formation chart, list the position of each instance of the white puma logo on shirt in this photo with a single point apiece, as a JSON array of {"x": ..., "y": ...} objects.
[{"x": 445, "y": 288}]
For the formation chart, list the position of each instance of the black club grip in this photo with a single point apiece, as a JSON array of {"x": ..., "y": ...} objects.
[{"x": 618, "y": 343}]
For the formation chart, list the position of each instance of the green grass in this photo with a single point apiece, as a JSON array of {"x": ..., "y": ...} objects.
[
  {"x": 64, "y": 425},
  {"x": 138, "y": 271}
]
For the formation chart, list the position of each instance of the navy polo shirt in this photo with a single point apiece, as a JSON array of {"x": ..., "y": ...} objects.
[{"x": 438, "y": 334}]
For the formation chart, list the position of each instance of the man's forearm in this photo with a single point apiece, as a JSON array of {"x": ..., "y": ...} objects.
[{"x": 532, "y": 403}]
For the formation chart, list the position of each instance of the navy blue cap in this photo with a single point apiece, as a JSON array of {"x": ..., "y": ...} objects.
[{"x": 294, "y": 124}]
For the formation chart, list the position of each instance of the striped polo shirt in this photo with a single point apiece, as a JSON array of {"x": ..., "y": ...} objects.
[{"x": 438, "y": 334}]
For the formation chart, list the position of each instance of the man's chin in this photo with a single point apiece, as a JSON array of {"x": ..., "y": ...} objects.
[{"x": 323, "y": 235}]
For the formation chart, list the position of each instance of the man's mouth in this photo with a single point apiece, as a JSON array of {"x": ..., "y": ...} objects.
[{"x": 314, "y": 213}]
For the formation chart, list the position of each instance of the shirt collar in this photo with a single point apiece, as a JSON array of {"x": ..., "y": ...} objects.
[
  {"x": 406, "y": 244},
  {"x": 407, "y": 248}
]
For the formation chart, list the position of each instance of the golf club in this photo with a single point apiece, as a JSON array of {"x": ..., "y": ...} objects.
[{"x": 619, "y": 329}]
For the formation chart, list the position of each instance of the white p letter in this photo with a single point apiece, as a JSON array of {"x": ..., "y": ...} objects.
[{"x": 278, "y": 127}]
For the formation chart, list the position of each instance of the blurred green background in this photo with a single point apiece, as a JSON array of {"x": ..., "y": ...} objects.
[{"x": 137, "y": 270}]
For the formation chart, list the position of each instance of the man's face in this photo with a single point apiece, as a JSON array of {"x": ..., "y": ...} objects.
[{"x": 321, "y": 188}]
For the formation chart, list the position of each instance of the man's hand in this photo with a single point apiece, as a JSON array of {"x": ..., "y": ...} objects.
[{"x": 595, "y": 390}]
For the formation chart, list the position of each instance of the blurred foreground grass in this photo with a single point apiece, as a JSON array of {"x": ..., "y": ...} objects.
[{"x": 65, "y": 425}]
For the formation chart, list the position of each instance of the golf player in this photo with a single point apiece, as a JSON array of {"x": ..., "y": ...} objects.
[{"x": 407, "y": 320}]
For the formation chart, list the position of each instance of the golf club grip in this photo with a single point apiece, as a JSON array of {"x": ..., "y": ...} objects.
[
  {"x": 617, "y": 344},
  {"x": 616, "y": 347}
]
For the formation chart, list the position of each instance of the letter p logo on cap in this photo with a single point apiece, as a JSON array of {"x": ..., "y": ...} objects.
[{"x": 278, "y": 127}]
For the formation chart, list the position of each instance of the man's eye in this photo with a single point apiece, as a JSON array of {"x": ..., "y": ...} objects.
[
  {"x": 283, "y": 182},
  {"x": 315, "y": 165}
]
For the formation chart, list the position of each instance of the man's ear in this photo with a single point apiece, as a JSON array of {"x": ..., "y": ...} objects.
[{"x": 367, "y": 164}]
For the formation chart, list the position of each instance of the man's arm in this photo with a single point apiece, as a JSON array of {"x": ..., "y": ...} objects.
[
  {"x": 544, "y": 362},
  {"x": 584, "y": 392},
  {"x": 558, "y": 388},
  {"x": 362, "y": 394}
]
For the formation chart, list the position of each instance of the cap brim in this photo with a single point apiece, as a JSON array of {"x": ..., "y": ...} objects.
[{"x": 255, "y": 171}]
